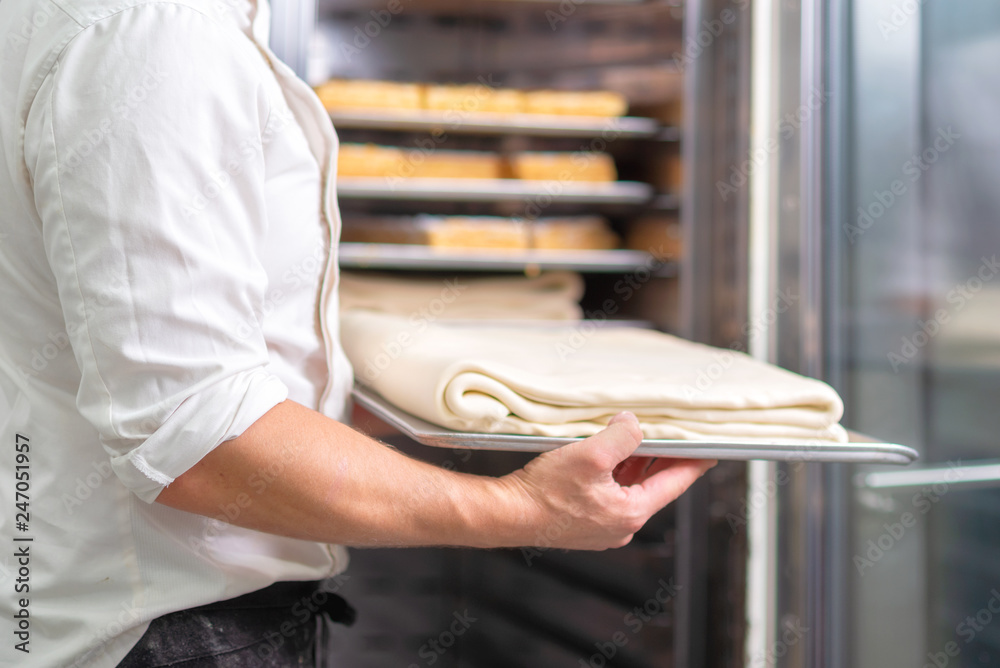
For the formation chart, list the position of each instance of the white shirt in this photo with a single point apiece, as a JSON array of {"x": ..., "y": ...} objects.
[{"x": 167, "y": 215}]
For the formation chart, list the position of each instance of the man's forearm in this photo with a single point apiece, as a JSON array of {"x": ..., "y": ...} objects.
[{"x": 327, "y": 482}]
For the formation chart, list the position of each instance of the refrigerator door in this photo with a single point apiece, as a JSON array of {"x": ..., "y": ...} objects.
[
  {"x": 879, "y": 210},
  {"x": 918, "y": 354}
]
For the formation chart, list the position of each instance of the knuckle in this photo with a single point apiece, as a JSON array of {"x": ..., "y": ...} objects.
[
  {"x": 622, "y": 542},
  {"x": 634, "y": 521},
  {"x": 603, "y": 461}
]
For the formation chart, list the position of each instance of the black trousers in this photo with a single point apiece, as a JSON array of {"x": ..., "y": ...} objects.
[{"x": 277, "y": 627}]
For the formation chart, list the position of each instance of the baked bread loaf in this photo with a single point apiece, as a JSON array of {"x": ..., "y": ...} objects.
[
  {"x": 474, "y": 98},
  {"x": 492, "y": 232},
  {"x": 441, "y": 164},
  {"x": 572, "y": 233},
  {"x": 368, "y": 160},
  {"x": 575, "y": 103},
  {"x": 371, "y": 160},
  {"x": 467, "y": 98},
  {"x": 562, "y": 166},
  {"x": 438, "y": 231},
  {"x": 364, "y": 94}
]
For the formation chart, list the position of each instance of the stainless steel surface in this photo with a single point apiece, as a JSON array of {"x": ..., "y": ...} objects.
[
  {"x": 665, "y": 202},
  {"x": 834, "y": 165},
  {"x": 626, "y": 127},
  {"x": 795, "y": 555},
  {"x": 493, "y": 190},
  {"x": 433, "y": 435},
  {"x": 762, "y": 568},
  {"x": 403, "y": 256},
  {"x": 713, "y": 284},
  {"x": 292, "y": 24}
]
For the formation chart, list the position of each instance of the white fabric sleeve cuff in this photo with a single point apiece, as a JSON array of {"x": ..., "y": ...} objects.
[{"x": 198, "y": 425}]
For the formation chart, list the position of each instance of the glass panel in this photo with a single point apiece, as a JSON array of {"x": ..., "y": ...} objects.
[{"x": 919, "y": 280}]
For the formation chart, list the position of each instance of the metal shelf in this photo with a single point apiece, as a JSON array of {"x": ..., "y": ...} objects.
[
  {"x": 326, "y": 7},
  {"x": 491, "y": 123},
  {"x": 403, "y": 256},
  {"x": 493, "y": 190},
  {"x": 665, "y": 202}
]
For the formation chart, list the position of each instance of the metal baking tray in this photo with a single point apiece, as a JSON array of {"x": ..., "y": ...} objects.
[{"x": 861, "y": 449}]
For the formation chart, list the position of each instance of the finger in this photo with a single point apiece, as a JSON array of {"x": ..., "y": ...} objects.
[
  {"x": 669, "y": 482},
  {"x": 632, "y": 470},
  {"x": 663, "y": 463}
]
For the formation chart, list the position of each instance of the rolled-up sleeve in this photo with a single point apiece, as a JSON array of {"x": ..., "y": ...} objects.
[{"x": 144, "y": 147}]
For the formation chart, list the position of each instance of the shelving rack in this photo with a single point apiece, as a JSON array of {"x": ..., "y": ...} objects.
[{"x": 564, "y": 603}]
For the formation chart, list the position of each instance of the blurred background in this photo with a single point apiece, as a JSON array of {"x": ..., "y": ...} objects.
[{"x": 818, "y": 183}]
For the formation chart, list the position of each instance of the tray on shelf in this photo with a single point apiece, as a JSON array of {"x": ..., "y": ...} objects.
[
  {"x": 492, "y": 190},
  {"x": 494, "y": 123},
  {"x": 861, "y": 449},
  {"x": 360, "y": 255}
]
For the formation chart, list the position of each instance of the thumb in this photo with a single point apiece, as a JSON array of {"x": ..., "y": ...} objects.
[
  {"x": 612, "y": 445},
  {"x": 630, "y": 421}
]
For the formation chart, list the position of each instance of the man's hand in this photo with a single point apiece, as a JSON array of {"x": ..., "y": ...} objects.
[
  {"x": 329, "y": 483},
  {"x": 596, "y": 492}
]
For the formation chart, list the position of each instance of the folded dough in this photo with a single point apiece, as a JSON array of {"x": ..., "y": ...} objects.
[
  {"x": 550, "y": 296},
  {"x": 569, "y": 381}
]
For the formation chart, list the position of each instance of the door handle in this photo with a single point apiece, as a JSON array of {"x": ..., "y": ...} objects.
[{"x": 954, "y": 474}]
